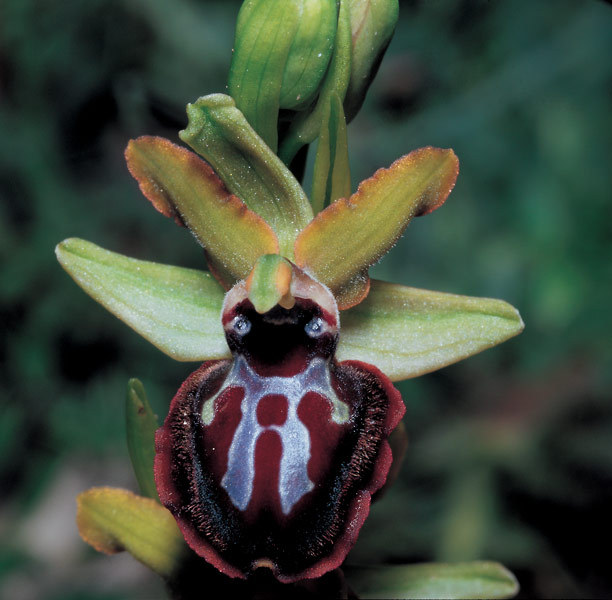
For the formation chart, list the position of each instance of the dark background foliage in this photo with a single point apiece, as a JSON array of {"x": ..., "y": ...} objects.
[{"x": 510, "y": 453}]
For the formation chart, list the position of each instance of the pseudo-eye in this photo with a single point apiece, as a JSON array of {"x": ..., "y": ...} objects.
[{"x": 270, "y": 459}]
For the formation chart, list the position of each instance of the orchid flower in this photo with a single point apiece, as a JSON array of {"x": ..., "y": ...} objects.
[{"x": 273, "y": 448}]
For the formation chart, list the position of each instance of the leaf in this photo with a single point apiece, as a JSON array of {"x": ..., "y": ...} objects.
[
  {"x": 351, "y": 234},
  {"x": 307, "y": 125},
  {"x": 332, "y": 176},
  {"x": 219, "y": 132},
  {"x": 372, "y": 26},
  {"x": 141, "y": 425},
  {"x": 406, "y": 332},
  {"x": 480, "y": 579},
  {"x": 264, "y": 34},
  {"x": 112, "y": 520},
  {"x": 178, "y": 310},
  {"x": 178, "y": 183}
]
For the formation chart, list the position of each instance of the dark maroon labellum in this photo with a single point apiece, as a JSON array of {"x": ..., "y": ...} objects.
[{"x": 271, "y": 459}]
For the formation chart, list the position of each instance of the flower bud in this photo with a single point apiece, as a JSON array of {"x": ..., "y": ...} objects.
[
  {"x": 372, "y": 26},
  {"x": 281, "y": 53},
  {"x": 310, "y": 53}
]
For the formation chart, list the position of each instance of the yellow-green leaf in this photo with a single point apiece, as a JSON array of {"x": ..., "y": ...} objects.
[
  {"x": 406, "y": 332},
  {"x": 112, "y": 520},
  {"x": 179, "y": 183},
  {"x": 178, "y": 310},
  {"x": 480, "y": 579},
  {"x": 353, "y": 233},
  {"x": 219, "y": 132},
  {"x": 140, "y": 425}
]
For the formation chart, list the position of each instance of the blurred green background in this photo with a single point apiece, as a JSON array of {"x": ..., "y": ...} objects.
[{"x": 510, "y": 454}]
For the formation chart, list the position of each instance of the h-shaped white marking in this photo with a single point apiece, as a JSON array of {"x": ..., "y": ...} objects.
[{"x": 295, "y": 439}]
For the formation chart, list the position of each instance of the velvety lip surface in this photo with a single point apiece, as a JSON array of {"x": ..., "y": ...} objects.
[{"x": 348, "y": 462}]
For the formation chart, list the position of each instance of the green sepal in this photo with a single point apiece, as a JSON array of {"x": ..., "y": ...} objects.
[
  {"x": 178, "y": 310},
  {"x": 372, "y": 23},
  {"x": 332, "y": 175},
  {"x": 113, "y": 520},
  {"x": 350, "y": 235},
  {"x": 479, "y": 579},
  {"x": 265, "y": 31},
  {"x": 269, "y": 282},
  {"x": 141, "y": 425},
  {"x": 407, "y": 332},
  {"x": 219, "y": 132},
  {"x": 307, "y": 125}
]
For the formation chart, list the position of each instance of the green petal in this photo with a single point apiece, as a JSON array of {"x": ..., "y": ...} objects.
[
  {"x": 481, "y": 579},
  {"x": 112, "y": 520},
  {"x": 264, "y": 33},
  {"x": 372, "y": 25},
  {"x": 219, "y": 132},
  {"x": 332, "y": 175},
  {"x": 141, "y": 424},
  {"x": 178, "y": 310},
  {"x": 406, "y": 332},
  {"x": 178, "y": 183},
  {"x": 307, "y": 124},
  {"x": 353, "y": 233}
]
